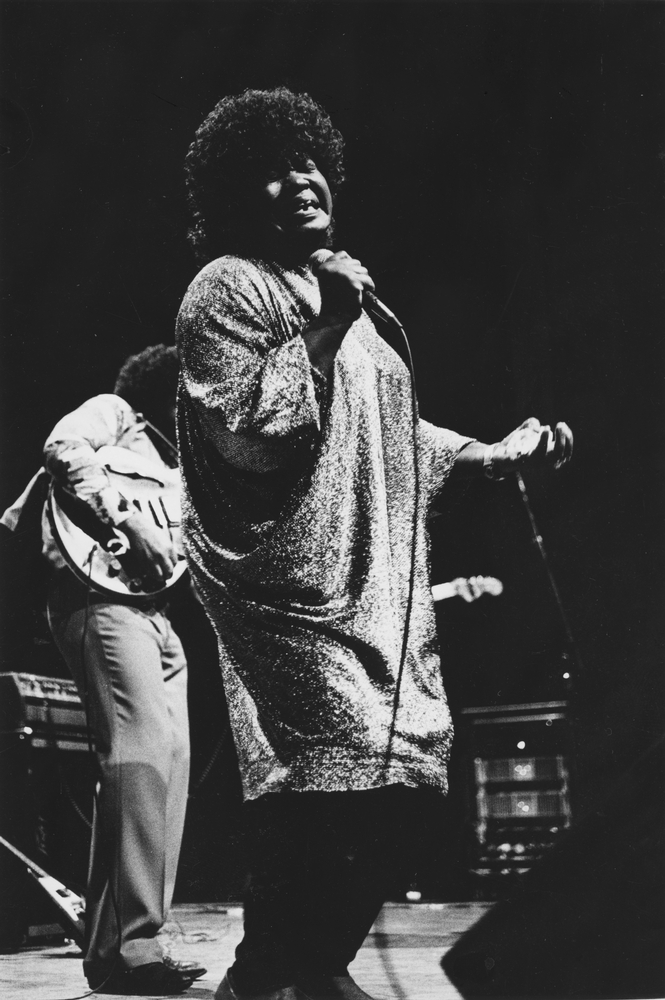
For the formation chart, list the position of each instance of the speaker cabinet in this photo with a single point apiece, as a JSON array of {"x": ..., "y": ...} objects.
[
  {"x": 588, "y": 920},
  {"x": 519, "y": 782}
]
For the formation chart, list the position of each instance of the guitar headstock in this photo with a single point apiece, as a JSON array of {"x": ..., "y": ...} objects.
[{"x": 490, "y": 585}]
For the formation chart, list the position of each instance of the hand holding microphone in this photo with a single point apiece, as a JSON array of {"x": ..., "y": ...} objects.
[
  {"x": 342, "y": 280},
  {"x": 345, "y": 286}
]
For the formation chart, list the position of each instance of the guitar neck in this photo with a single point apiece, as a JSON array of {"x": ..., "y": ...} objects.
[
  {"x": 442, "y": 591},
  {"x": 470, "y": 589},
  {"x": 33, "y": 866}
]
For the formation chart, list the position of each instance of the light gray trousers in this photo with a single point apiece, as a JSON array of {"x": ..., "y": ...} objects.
[{"x": 130, "y": 668}]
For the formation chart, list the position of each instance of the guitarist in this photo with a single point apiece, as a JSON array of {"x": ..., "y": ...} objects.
[{"x": 131, "y": 673}]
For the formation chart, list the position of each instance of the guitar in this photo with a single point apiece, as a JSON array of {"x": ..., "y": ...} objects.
[
  {"x": 461, "y": 588},
  {"x": 93, "y": 550},
  {"x": 70, "y": 906}
]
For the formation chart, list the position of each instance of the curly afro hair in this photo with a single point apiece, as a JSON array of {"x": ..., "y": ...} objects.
[
  {"x": 148, "y": 381},
  {"x": 245, "y": 139}
]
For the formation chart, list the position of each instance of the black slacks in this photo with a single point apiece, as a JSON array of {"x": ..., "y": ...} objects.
[{"x": 321, "y": 866}]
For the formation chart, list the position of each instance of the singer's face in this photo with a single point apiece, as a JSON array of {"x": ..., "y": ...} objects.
[{"x": 298, "y": 201}]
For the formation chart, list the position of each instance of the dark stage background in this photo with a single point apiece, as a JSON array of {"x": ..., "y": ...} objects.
[{"x": 505, "y": 190}]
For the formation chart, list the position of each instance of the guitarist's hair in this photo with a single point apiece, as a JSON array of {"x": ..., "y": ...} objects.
[{"x": 148, "y": 381}]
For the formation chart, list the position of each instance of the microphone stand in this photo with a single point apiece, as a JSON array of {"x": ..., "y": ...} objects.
[
  {"x": 538, "y": 542},
  {"x": 572, "y": 652}
]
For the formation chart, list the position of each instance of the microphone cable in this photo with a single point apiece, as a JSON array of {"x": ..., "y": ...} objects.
[
  {"x": 383, "y": 313},
  {"x": 380, "y": 311}
]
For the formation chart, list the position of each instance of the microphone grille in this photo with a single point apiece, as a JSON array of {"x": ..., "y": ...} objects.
[{"x": 318, "y": 257}]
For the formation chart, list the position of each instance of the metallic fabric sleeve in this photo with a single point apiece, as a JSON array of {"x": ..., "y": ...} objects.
[
  {"x": 438, "y": 449},
  {"x": 246, "y": 371}
]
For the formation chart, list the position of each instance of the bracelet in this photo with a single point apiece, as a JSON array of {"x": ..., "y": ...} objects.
[{"x": 488, "y": 463}]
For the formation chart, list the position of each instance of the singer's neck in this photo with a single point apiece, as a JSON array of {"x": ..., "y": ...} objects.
[{"x": 290, "y": 251}]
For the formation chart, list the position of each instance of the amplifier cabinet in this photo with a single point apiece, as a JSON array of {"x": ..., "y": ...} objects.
[
  {"x": 47, "y": 779},
  {"x": 48, "y": 710},
  {"x": 519, "y": 782}
]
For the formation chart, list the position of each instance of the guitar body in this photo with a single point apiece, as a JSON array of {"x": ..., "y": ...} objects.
[{"x": 92, "y": 549}]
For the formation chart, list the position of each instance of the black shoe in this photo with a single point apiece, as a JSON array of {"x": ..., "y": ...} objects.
[
  {"x": 191, "y": 969},
  {"x": 152, "y": 980},
  {"x": 331, "y": 988},
  {"x": 227, "y": 990}
]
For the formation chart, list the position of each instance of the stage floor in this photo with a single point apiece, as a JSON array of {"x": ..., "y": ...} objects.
[{"x": 399, "y": 961}]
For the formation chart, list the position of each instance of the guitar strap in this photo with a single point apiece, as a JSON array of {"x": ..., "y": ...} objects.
[{"x": 166, "y": 448}]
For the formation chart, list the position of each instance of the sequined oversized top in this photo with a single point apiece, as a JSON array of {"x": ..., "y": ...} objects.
[{"x": 298, "y": 511}]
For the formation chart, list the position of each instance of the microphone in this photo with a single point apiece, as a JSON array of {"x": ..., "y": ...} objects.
[{"x": 370, "y": 301}]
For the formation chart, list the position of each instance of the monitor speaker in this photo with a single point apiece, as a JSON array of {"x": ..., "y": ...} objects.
[{"x": 588, "y": 919}]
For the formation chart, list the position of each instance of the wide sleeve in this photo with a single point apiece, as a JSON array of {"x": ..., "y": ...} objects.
[
  {"x": 70, "y": 454},
  {"x": 438, "y": 449},
  {"x": 245, "y": 369}
]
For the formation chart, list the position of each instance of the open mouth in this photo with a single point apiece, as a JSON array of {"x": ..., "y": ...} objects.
[
  {"x": 304, "y": 206},
  {"x": 302, "y": 210}
]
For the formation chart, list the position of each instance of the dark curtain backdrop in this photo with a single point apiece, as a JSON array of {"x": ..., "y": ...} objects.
[{"x": 505, "y": 166}]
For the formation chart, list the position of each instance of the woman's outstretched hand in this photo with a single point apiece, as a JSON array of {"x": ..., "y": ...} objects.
[{"x": 531, "y": 445}]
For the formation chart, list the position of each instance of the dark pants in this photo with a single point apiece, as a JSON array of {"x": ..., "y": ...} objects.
[{"x": 321, "y": 866}]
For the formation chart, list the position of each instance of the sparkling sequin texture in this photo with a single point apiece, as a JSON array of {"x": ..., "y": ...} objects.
[{"x": 298, "y": 512}]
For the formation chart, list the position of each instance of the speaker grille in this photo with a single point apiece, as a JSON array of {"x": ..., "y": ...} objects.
[
  {"x": 522, "y": 805},
  {"x": 514, "y": 769}
]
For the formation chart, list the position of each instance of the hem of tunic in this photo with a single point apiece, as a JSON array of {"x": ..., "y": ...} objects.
[{"x": 327, "y": 771}]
